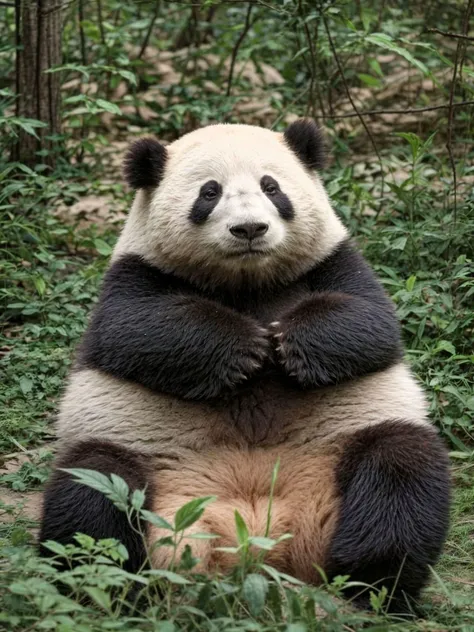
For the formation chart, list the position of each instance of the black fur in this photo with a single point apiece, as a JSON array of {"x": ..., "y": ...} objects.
[
  {"x": 335, "y": 324},
  {"x": 307, "y": 141},
  {"x": 272, "y": 190},
  {"x": 144, "y": 163},
  {"x": 70, "y": 507},
  {"x": 209, "y": 196},
  {"x": 343, "y": 328},
  {"x": 395, "y": 488},
  {"x": 159, "y": 331}
]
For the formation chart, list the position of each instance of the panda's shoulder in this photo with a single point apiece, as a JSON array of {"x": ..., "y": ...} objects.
[
  {"x": 132, "y": 270},
  {"x": 346, "y": 267}
]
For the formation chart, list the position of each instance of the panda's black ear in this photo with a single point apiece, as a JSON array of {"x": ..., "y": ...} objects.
[
  {"x": 144, "y": 163},
  {"x": 306, "y": 140}
]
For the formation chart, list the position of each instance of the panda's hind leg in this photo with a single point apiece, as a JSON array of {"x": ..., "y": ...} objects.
[
  {"x": 70, "y": 507},
  {"x": 393, "y": 479}
]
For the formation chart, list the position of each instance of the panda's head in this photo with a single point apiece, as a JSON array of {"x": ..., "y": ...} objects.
[{"x": 230, "y": 204}]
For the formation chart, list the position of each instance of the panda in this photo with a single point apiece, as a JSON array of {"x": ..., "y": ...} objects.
[{"x": 238, "y": 325}]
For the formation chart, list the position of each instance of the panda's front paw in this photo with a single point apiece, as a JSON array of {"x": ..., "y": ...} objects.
[
  {"x": 246, "y": 357},
  {"x": 293, "y": 350},
  {"x": 293, "y": 360}
]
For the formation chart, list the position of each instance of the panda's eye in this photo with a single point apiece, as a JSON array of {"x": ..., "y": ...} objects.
[
  {"x": 269, "y": 185},
  {"x": 211, "y": 194}
]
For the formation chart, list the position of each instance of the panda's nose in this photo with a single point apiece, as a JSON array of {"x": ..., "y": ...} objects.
[{"x": 249, "y": 230}]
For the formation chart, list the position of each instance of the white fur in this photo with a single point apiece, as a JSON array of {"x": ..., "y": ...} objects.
[
  {"x": 237, "y": 157},
  {"x": 99, "y": 406}
]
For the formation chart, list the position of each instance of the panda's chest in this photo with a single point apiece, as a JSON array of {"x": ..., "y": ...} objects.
[{"x": 266, "y": 305}]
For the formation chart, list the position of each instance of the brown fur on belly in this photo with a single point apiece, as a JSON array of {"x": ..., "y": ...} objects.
[{"x": 305, "y": 504}]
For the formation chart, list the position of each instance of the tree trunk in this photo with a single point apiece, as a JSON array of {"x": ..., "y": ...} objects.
[{"x": 39, "y": 36}]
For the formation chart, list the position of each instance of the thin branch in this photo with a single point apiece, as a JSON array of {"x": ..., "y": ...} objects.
[
  {"x": 429, "y": 108},
  {"x": 312, "y": 70},
  {"x": 290, "y": 106},
  {"x": 150, "y": 30},
  {"x": 449, "y": 141},
  {"x": 349, "y": 96},
  {"x": 82, "y": 38},
  {"x": 101, "y": 24},
  {"x": 235, "y": 50},
  {"x": 449, "y": 34}
]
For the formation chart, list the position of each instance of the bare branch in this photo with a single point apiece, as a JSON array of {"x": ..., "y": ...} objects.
[
  {"x": 235, "y": 50},
  {"x": 101, "y": 23},
  {"x": 349, "y": 96},
  {"x": 448, "y": 34},
  {"x": 449, "y": 141},
  {"x": 82, "y": 37},
  {"x": 150, "y": 30},
  {"x": 429, "y": 108}
]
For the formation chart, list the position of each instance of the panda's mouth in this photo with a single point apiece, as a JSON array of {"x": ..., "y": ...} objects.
[{"x": 248, "y": 253}]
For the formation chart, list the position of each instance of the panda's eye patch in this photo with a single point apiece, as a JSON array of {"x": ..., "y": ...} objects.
[
  {"x": 209, "y": 195},
  {"x": 272, "y": 190},
  {"x": 269, "y": 185},
  {"x": 210, "y": 190}
]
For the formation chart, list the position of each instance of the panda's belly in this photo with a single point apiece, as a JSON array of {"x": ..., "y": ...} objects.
[{"x": 99, "y": 406}]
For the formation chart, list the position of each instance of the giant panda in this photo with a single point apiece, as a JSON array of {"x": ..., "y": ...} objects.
[{"x": 238, "y": 325}]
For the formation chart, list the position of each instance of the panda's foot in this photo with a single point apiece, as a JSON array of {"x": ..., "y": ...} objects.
[
  {"x": 394, "y": 484},
  {"x": 70, "y": 507}
]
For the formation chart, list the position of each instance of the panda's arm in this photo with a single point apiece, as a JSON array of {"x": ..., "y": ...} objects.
[
  {"x": 150, "y": 328},
  {"x": 342, "y": 328}
]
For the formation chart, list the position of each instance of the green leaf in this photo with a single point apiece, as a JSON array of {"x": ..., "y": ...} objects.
[
  {"x": 254, "y": 592},
  {"x": 241, "y": 529},
  {"x": 102, "y": 247},
  {"x": 40, "y": 285},
  {"x": 262, "y": 543},
  {"x": 279, "y": 577},
  {"x": 100, "y": 597},
  {"x": 375, "y": 66},
  {"x": 296, "y": 627},
  {"x": 413, "y": 140},
  {"x": 190, "y": 513},
  {"x": 138, "y": 499},
  {"x": 445, "y": 345},
  {"x": 55, "y": 547},
  {"x": 399, "y": 243},
  {"x": 26, "y": 385},
  {"x": 410, "y": 284},
  {"x": 155, "y": 520},
  {"x": 120, "y": 487},
  {"x": 114, "y": 487},
  {"x": 108, "y": 106},
  {"x": 174, "y": 578},
  {"x": 369, "y": 80},
  {"x": 382, "y": 40},
  {"x": 129, "y": 76}
]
